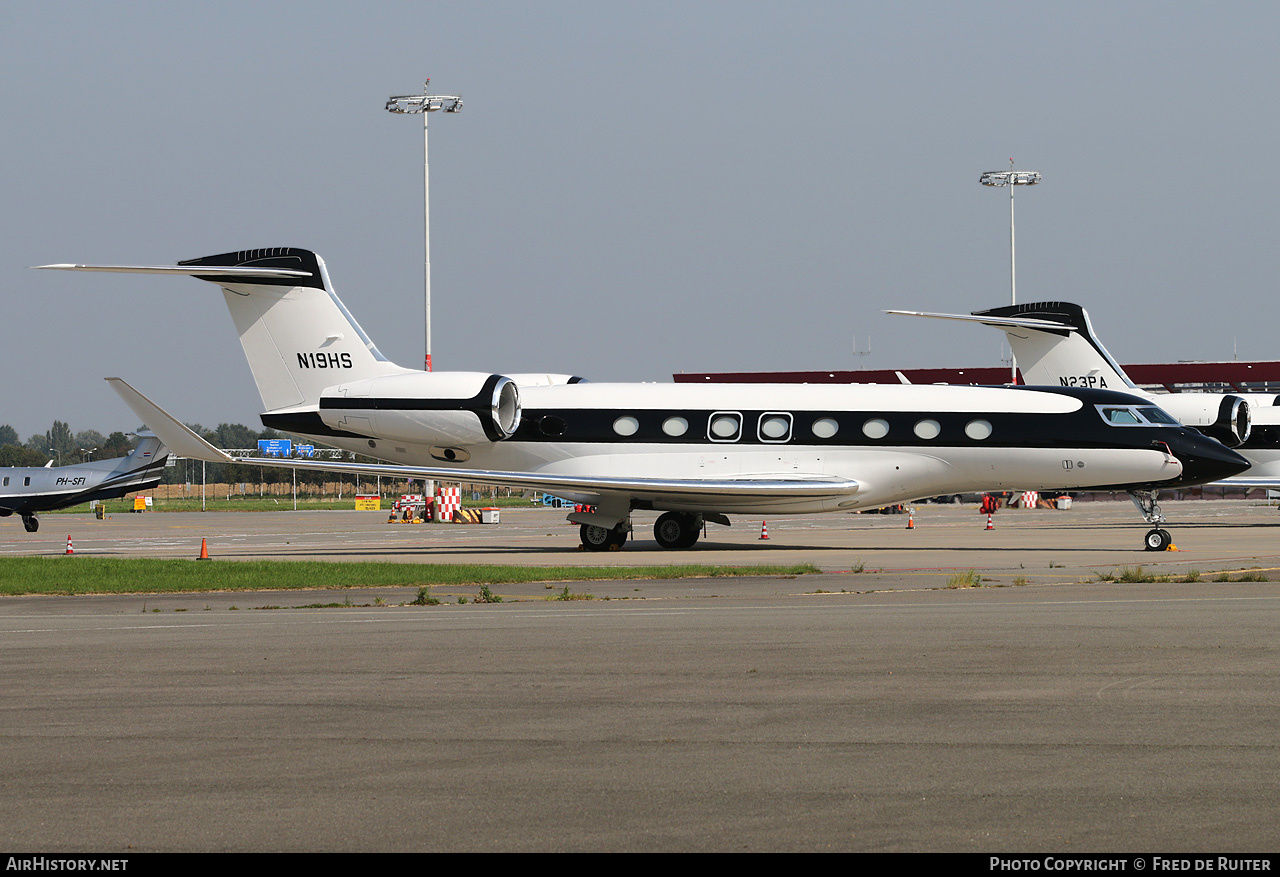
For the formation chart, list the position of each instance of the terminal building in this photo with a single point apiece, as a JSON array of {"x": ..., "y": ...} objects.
[{"x": 1171, "y": 377}]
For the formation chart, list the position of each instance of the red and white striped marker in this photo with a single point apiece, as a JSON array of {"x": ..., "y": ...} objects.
[
  {"x": 911, "y": 519},
  {"x": 990, "y": 526},
  {"x": 764, "y": 530},
  {"x": 69, "y": 548}
]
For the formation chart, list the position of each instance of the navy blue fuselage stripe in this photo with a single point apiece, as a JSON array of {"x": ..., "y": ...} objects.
[{"x": 1077, "y": 429}]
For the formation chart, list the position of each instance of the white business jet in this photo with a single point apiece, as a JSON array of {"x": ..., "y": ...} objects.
[
  {"x": 697, "y": 453},
  {"x": 1055, "y": 345}
]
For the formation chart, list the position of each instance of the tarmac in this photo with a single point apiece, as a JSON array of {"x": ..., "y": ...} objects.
[
  {"x": 1048, "y": 710},
  {"x": 1040, "y": 546}
]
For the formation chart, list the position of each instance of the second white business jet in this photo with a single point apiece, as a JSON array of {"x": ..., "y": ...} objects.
[{"x": 1055, "y": 345}]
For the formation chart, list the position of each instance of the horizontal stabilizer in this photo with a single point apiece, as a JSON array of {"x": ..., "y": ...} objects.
[
  {"x": 999, "y": 322},
  {"x": 243, "y": 275}
]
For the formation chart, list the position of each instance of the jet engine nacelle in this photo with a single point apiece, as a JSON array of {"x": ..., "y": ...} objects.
[
  {"x": 1223, "y": 417},
  {"x": 436, "y": 408}
]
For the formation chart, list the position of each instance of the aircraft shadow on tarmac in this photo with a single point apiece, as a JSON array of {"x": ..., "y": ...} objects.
[
  {"x": 705, "y": 548},
  {"x": 1128, "y": 525}
]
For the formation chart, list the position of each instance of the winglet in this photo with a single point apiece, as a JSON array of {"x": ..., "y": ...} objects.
[{"x": 175, "y": 435}]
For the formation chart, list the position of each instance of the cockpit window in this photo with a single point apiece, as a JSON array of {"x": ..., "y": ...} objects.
[
  {"x": 1123, "y": 415},
  {"x": 1158, "y": 415}
]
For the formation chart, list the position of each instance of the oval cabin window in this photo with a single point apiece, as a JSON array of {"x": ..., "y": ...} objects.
[
  {"x": 978, "y": 430},
  {"x": 675, "y": 426},
  {"x": 725, "y": 427},
  {"x": 775, "y": 427},
  {"x": 825, "y": 427}
]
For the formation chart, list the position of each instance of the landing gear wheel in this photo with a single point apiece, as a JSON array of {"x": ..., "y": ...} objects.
[
  {"x": 677, "y": 530},
  {"x": 1157, "y": 540},
  {"x": 31, "y": 523},
  {"x": 596, "y": 538}
]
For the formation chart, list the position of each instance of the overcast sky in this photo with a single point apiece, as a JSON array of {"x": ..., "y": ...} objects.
[{"x": 632, "y": 189}]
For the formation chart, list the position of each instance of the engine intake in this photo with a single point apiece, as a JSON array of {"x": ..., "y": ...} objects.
[
  {"x": 1234, "y": 424},
  {"x": 1224, "y": 417},
  {"x": 434, "y": 408}
]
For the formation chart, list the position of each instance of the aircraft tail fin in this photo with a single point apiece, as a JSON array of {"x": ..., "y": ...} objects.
[
  {"x": 1054, "y": 343},
  {"x": 297, "y": 335},
  {"x": 1066, "y": 352},
  {"x": 149, "y": 450}
]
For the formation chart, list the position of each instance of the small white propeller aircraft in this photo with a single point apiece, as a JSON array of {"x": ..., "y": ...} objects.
[
  {"x": 27, "y": 491},
  {"x": 696, "y": 453},
  {"x": 1055, "y": 345}
]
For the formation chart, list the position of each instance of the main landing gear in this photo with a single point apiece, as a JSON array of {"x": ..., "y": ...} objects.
[
  {"x": 596, "y": 538},
  {"x": 678, "y": 529},
  {"x": 673, "y": 530},
  {"x": 31, "y": 522}
]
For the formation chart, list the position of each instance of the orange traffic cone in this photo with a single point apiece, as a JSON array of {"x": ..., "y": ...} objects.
[
  {"x": 764, "y": 529},
  {"x": 911, "y": 519},
  {"x": 990, "y": 526},
  {"x": 204, "y": 550},
  {"x": 69, "y": 549}
]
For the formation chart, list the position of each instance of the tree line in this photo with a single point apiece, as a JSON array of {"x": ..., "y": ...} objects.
[
  {"x": 61, "y": 445},
  {"x": 64, "y": 447}
]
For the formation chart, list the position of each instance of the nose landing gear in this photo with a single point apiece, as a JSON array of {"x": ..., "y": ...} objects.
[{"x": 1148, "y": 504}]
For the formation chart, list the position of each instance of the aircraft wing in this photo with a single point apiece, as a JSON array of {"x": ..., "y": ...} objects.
[
  {"x": 1244, "y": 481},
  {"x": 763, "y": 487},
  {"x": 172, "y": 432},
  {"x": 184, "y": 442}
]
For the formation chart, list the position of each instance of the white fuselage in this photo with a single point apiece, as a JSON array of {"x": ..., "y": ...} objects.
[{"x": 987, "y": 438}]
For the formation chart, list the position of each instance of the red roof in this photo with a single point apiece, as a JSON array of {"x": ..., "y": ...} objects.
[{"x": 1171, "y": 376}]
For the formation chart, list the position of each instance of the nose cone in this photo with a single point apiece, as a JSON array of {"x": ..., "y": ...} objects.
[{"x": 1204, "y": 459}]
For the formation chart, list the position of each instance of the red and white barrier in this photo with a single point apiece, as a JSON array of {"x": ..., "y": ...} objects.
[{"x": 448, "y": 500}]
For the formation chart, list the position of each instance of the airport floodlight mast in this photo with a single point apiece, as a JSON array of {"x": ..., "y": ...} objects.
[
  {"x": 1012, "y": 179},
  {"x": 425, "y": 103}
]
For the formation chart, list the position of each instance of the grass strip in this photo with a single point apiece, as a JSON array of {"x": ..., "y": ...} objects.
[{"x": 137, "y": 575}]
